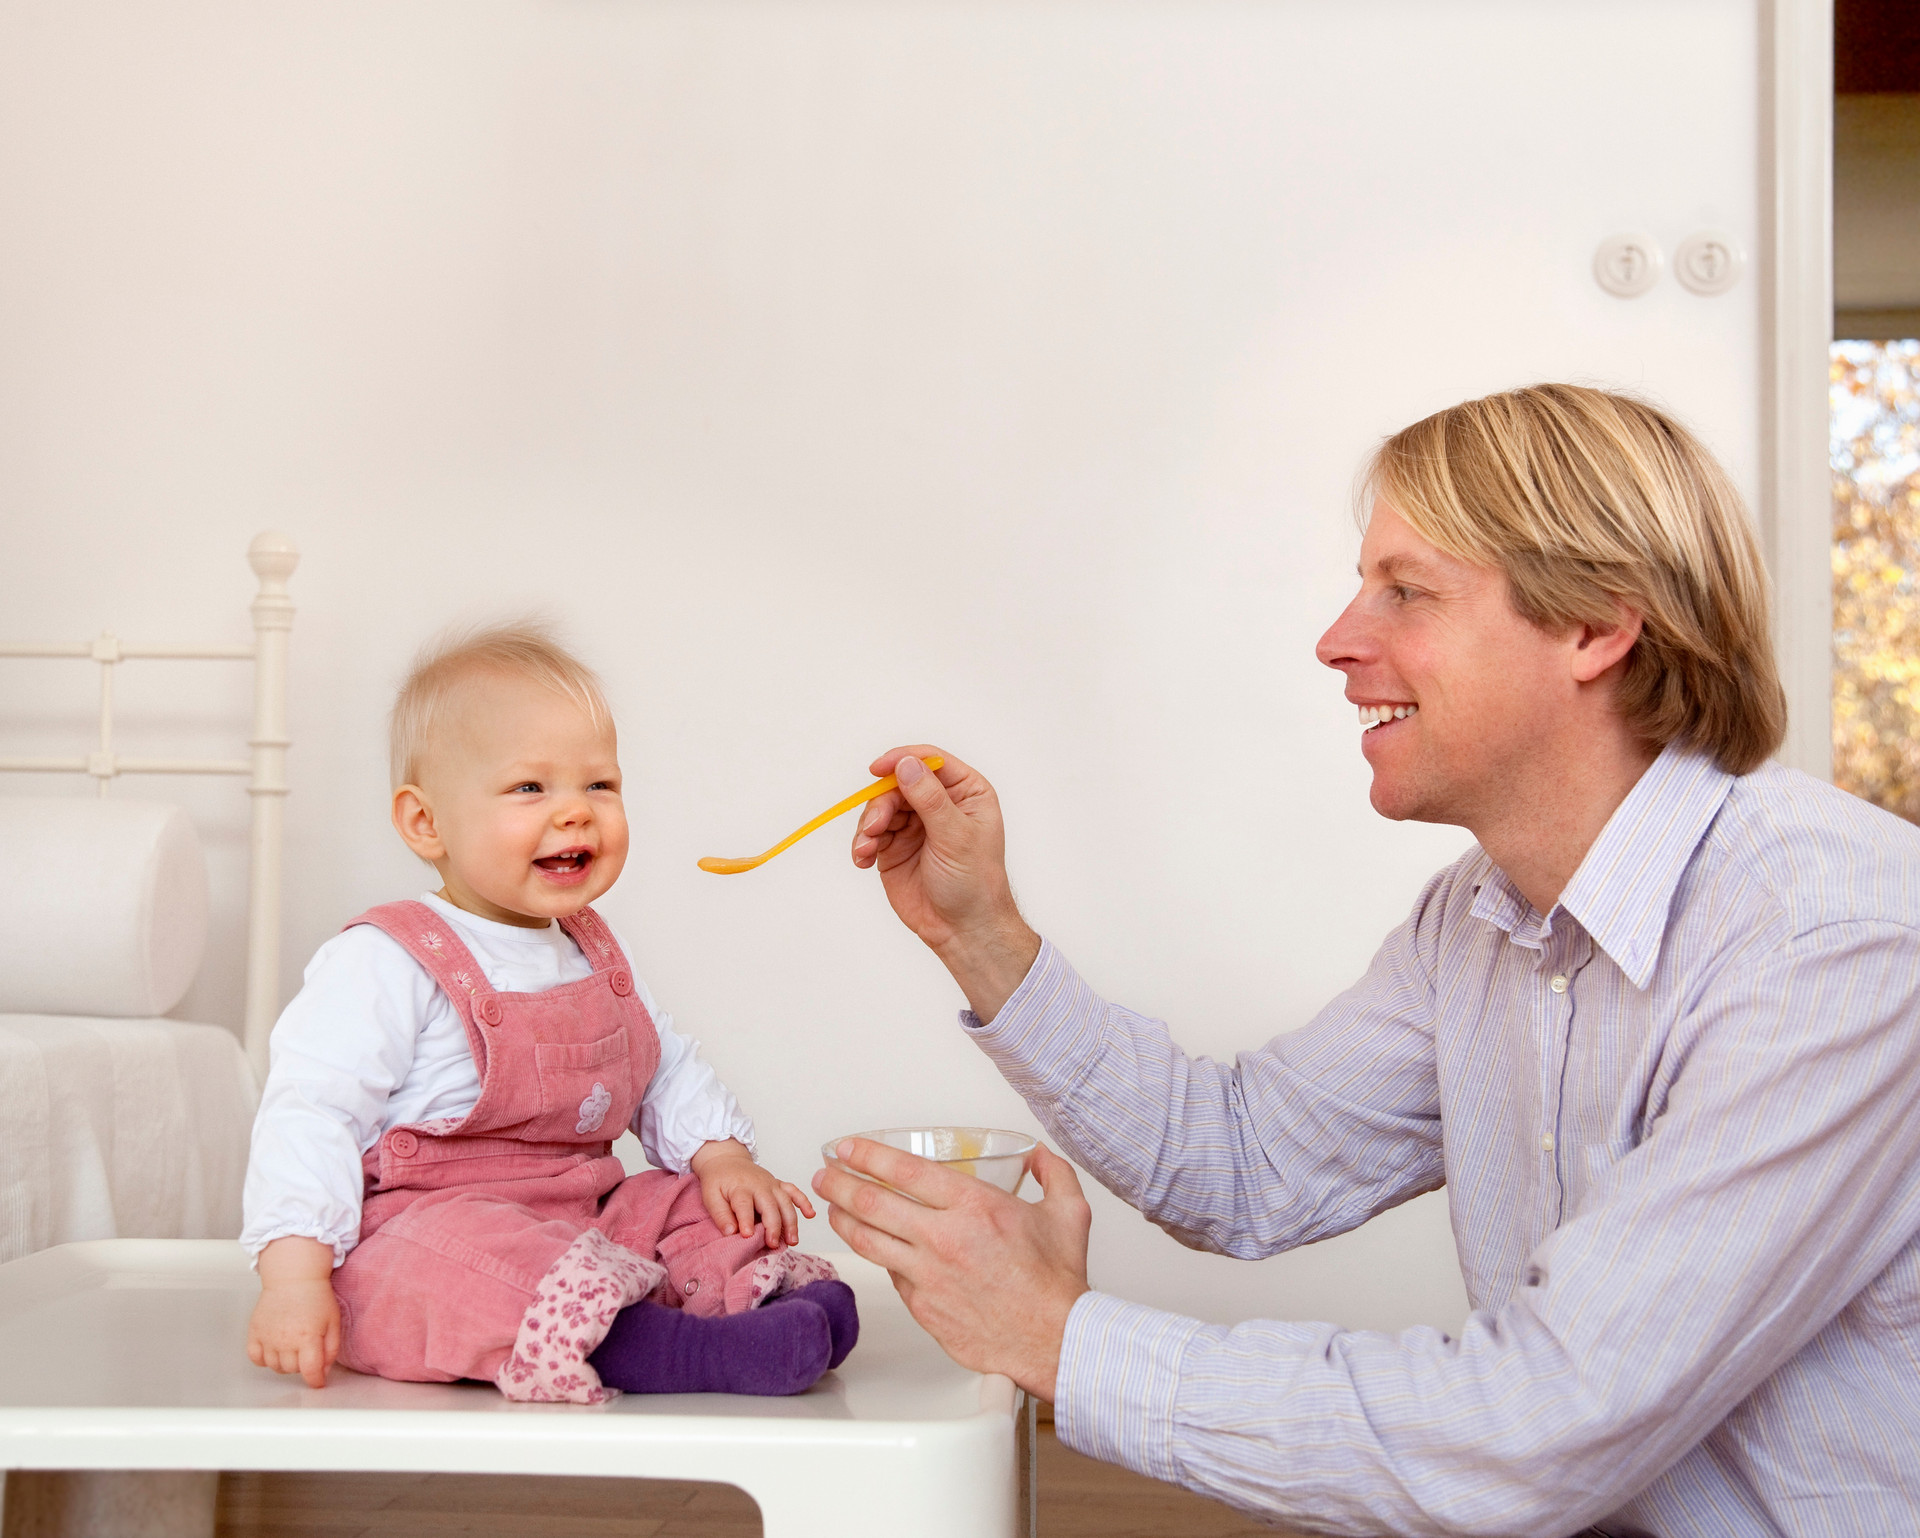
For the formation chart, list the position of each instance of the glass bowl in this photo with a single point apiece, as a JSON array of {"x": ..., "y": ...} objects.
[{"x": 997, "y": 1157}]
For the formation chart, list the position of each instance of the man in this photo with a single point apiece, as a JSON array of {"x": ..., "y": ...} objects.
[{"x": 1659, "y": 1034}]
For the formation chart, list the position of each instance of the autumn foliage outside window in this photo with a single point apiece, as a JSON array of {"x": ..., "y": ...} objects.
[{"x": 1875, "y": 453}]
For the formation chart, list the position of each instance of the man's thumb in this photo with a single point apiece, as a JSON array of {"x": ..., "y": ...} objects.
[{"x": 922, "y": 790}]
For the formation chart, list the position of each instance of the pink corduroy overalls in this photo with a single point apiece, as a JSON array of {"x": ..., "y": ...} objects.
[{"x": 500, "y": 1245}]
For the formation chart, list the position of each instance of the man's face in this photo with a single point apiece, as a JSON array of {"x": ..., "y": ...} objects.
[{"x": 1473, "y": 695}]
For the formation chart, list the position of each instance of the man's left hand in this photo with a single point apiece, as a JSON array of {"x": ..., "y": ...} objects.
[{"x": 990, "y": 1277}]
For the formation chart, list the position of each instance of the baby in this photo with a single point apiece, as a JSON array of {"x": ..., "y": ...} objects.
[{"x": 432, "y": 1193}]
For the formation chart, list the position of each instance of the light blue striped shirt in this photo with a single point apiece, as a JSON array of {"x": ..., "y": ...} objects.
[{"x": 1678, "y": 1118}]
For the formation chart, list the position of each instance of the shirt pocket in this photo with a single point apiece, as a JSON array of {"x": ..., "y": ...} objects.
[{"x": 586, "y": 1087}]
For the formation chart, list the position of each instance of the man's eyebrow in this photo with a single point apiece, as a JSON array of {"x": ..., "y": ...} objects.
[{"x": 1400, "y": 565}]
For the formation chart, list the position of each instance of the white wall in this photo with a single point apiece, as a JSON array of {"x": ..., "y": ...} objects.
[{"x": 838, "y": 374}]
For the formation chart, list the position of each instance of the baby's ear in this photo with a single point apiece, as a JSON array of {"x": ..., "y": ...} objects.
[{"x": 413, "y": 821}]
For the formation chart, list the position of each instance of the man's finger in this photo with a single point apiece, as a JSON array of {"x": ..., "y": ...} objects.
[
  {"x": 872, "y": 1204},
  {"x": 871, "y": 1243},
  {"x": 926, "y": 1182}
]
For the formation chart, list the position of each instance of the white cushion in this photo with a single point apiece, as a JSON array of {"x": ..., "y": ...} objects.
[{"x": 103, "y": 906}]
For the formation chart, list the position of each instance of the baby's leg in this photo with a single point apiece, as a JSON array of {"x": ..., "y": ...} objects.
[
  {"x": 653, "y": 1349},
  {"x": 835, "y": 1300},
  {"x": 466, "y": 1284},
  {"x": 708, "y": 1272}
]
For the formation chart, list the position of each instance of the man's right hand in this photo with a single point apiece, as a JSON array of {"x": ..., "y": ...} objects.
[{"x": 940, "y": 847}]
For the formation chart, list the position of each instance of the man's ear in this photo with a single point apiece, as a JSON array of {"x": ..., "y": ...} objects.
[
  {"x": 413, "y": 821},
  {"x": 1597, "y": 648}
]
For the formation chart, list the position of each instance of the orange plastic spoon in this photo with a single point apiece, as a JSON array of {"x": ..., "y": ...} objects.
[{"x": 721, "y": 867}]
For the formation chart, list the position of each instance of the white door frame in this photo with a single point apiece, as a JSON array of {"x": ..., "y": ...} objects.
[{"x": 1796, "y": 509}]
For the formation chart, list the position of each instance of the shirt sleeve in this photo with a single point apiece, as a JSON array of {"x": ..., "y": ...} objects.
[
  {"x": 337, "y": 1053},
  {"x": 1779, "y": 1176},
  {"x": 685, "y": 1104},
  {"x": 1307, "y": 1137}
]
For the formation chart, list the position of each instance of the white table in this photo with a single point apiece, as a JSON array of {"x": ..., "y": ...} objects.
[{"x": 129, "y": 1354}]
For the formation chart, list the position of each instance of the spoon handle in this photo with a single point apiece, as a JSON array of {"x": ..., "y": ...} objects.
[{"x": 859, "y": 797}]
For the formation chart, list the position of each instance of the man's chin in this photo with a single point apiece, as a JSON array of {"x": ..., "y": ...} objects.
[{"x": 1397, "y": 800}]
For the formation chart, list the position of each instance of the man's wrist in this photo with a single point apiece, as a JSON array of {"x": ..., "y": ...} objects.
[{"x": 991, "y": 962}]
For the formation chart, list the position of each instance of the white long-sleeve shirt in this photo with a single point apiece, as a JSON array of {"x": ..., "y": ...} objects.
[{"x": 371, "y": 1042}]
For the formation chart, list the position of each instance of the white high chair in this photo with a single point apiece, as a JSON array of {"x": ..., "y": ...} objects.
[{"x": 129, "y": 1355}]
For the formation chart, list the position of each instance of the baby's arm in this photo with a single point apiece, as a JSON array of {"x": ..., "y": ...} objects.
[
  {"x": 296, "y": 1324},
  {"x": 339, "y": 1050}
]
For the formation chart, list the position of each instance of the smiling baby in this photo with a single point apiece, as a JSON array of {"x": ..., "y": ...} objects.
[{"x": 432, "y": 1193}]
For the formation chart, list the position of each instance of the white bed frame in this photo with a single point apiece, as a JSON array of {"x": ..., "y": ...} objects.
[{"x": 273, "y": 558}]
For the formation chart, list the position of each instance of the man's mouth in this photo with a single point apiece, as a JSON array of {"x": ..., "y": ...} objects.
[
  {"x": 1372, "y": 716},
  {"x": 568, "y": 862}
]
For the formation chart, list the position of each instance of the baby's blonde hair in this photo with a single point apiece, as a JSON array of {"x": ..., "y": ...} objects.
[{"x": 454, "y": 658}]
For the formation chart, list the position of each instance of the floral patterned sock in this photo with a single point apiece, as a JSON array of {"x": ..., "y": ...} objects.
[{"x": 653, "y": 1349}]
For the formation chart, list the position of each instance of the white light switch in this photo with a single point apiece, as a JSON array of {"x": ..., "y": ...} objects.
[
  {"x": 1709, "y": 262},
  {"x": 1627, "y": 265}
]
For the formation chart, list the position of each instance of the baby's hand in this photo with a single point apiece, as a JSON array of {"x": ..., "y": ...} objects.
[
  {"x": 739, "y": 1193},
  {"x": 296, "y": 1324}
]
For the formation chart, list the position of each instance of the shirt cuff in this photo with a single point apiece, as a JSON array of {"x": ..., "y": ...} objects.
[
  {"x": 1046, "y": 1037},
  {"x": 255, "y": 1244},
  {"x": 1118, "y": 1379}
]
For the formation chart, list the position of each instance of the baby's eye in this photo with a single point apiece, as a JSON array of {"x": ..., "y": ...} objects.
[
  {"x": 603, "y": 785},
  {"x": 532, "y": 785}
]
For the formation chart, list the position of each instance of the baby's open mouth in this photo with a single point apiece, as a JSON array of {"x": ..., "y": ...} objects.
[{"x": 569, "y": 862}]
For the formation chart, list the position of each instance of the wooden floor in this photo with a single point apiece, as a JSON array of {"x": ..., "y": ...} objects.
[{"x": 1079, "y": 1498}]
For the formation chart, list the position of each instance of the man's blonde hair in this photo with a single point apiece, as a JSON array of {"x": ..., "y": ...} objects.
[
  {"x": 1586, "y": 499},
  {"x": 456, "y": 659}
]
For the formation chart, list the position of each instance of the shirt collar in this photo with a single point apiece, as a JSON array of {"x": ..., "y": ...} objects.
[{"x": 1624, "y": 888}]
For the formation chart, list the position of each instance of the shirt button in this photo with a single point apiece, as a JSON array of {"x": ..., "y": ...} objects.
[
  {"x": 1546, "y": 1142},
  {"x": 692, "y": 1287},
  {"x": 620, "y": 980},
  {"x": 488, "y": 1009},
  {"x": 404, "y": 1144},
  {"x": 1559, "y": 983}
]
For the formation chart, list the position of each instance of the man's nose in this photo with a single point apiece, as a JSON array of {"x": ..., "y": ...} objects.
[{"x": 1345, "y": 644}]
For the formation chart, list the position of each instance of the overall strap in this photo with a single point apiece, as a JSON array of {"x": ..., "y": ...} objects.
[
  {"x": 589, "y": 931},
  {"x": 431, "y": 941}
]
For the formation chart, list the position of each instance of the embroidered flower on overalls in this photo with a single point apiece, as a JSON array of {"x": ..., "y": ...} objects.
[
  {"x": 593, "y": 1110},
  {"x": 465, "y": 980},
  {"x": 433, "y": 940}
]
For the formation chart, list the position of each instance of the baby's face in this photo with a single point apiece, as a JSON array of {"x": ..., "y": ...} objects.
[{"x": 523, "y": 796}]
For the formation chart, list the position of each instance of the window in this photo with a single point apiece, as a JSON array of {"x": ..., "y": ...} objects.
[{"x": 1874, "y": 449}]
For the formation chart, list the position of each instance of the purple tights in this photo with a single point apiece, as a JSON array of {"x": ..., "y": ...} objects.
[{"x": 783, "y": 1349}]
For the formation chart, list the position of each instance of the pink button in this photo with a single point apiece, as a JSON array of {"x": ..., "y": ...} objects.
[
  {"x": 404, "y": 1144},
  {"x": 488, "y": 1009},
  {"x": 620, "y": 980}
]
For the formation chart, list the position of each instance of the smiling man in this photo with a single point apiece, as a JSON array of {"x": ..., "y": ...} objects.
[{"x": 1658, "y": 1034}]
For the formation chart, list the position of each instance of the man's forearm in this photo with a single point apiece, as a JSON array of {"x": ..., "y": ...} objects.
[{"x": 990, "y": 964}]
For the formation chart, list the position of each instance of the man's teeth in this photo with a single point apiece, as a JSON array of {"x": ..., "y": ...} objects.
[{"x": 1373, "y": 715}]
